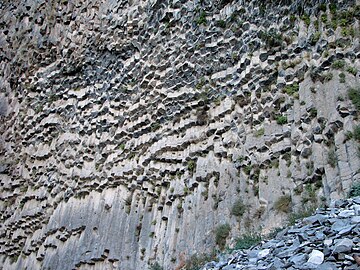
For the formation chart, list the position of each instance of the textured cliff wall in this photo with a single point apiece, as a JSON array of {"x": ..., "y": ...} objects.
[{"x": 130, "y": 129}]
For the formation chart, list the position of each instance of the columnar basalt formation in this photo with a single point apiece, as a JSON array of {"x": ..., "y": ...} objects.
[{"x": 130, "y": 129}]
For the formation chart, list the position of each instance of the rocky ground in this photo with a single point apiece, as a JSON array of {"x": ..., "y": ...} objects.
[{"x": 327, "y": 240}]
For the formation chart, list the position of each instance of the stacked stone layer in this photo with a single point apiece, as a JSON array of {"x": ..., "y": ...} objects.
[{"x": 129, "y": 129}]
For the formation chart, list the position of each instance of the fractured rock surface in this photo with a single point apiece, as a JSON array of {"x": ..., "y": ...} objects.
[{"x": 130, "y": 128}]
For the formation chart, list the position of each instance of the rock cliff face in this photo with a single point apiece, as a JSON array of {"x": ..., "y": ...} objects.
[{"x": 130, "y": 130}]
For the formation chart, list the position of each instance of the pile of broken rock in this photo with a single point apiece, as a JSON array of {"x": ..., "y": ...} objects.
[{"x": 327, "y": 240}]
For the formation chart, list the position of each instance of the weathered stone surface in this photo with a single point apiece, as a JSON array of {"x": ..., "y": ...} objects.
[{"x": 128, "y": 129}]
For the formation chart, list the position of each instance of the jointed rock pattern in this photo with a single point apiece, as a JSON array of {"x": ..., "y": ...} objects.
[{"x": 130, "y": 128}]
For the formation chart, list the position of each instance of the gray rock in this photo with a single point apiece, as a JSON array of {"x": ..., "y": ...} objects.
[
  {"x": 3, "y": 106},
  {"x": 327, "y": 266},
  {"x": 346, "y": 230},
  {"x": 263, "y": 253},
  {"x": 357, "y": 210},
  {"x": 316, "y": 257},
  {"x": 339, "y": 225},
  {"x": 307, "y": 265},
  {"x": 114, "y": 98},
  {"x": 312, "y": 244},
  {"x": 306, "y": 152},
  {"x": 346, "y": 213},
  {"x": 357, "y": 201},
  {"x": 298, "y": 259},
  {"x": 221, "y": 264},
  {"x": 328, "y": 242},
  {"x": 229, "y": 267},
  {"x": 343, "y": 245},
  {"x": 355, "y": 220},
  {"x": 253, "y": 254}
]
